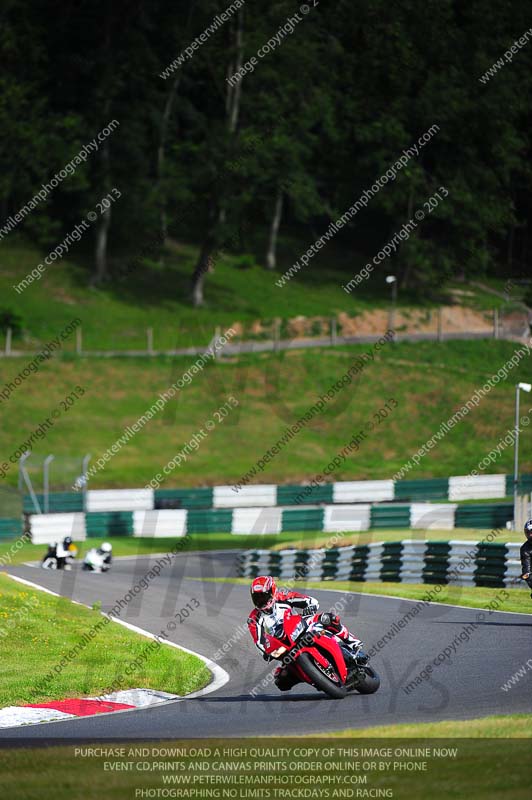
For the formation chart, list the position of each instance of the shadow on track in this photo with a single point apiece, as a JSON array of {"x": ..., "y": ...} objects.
[
  {"x": 475, "y": 622},
  {"x": 265, "y": 698}
]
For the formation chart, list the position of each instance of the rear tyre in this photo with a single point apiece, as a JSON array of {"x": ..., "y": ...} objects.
[
  {"x": 335, "y": 690},
  {"x": 369, "y": 681}
]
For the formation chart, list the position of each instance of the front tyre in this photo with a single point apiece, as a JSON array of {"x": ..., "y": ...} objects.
[
  {"x": 335, "y": 690},
  {"x": 368, "y": 681}
]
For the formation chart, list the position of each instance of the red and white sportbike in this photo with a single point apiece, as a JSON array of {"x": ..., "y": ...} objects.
[{"x": 314, "y": 654}]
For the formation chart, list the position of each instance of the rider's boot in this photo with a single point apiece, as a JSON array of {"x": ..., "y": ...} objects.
[{"x": 348, "y": 639}]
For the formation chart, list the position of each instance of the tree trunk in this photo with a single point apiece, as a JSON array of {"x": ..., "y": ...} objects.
[
  {"x": 510, "y": 252},
  {"x": 233, "y": 93},
  {"x": 204, "y": 264},
  {"x": 271, "y": 255},
  {"x": 103, "y": 180},
  {"x": 410, "y": 211},
  {"x": 100, "y": 255},
  {"x": 103, "y": 224},
  {"x": 161, "y": 156}
]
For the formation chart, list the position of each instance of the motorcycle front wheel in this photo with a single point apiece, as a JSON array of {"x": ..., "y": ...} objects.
[
  {"x": 367, "y": 681},
  {"x": 335, "y": 690}
]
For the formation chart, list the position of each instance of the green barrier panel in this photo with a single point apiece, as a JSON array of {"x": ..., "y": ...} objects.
[
  {"x": 297, "y": 495},
  {"x": 415, "y": 490},
  {"x": 492, "y": 581},
  {"x": 359, "y": 563},
  {"x": 391, "y": 561},
  {"x": 492, "y": 552},
  {"x": 10, "y": 528},
  {"x": 303, "y": 520},
  {"x": 525, "y": 484},
  {"x": 58, "y": 502},
  {"x": 210, "y": 521},
  {"x": 105, "y": 524},
  {"x": 490, "y": 564},
  {"x": 483, "y": 515},
  {"x": 384, "y": 515},
  {"x": 329, "y": 565},
  {"x": 183, "y": 498},
  {"x": 435, "y": 577},
  {"x": 436, "y": 560}
]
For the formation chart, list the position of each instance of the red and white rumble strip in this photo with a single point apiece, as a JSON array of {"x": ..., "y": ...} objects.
[{"x": 13, "y": 716}]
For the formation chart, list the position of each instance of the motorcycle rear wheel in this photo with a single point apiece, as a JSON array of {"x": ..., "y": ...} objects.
[{"x": 335, "y": 690}]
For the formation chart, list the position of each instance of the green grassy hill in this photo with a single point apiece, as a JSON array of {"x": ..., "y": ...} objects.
[
  {"x": 156, "y": 294},
  {"x": 428, "y": 381}
]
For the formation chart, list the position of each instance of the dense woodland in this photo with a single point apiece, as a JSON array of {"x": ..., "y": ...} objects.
[{"x": 290, "y": 146}]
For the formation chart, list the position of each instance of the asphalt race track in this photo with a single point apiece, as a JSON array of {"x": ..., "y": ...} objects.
[{"x": 467, "y": 687}]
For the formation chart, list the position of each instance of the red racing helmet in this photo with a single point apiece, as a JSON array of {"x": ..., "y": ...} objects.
[{"x": 263, "y": 591}]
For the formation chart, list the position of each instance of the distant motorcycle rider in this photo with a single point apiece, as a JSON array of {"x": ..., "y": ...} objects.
[
  {"x": 60, "y": 555},
  {"x": 105, "y": 550},
  {"x": 526, "y": 555},
  {"x": 266, "y": 597},
  {"x": 64, "y": 552}
]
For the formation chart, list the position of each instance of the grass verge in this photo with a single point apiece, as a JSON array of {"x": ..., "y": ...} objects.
[
  {"x": 511, "y": 726},
  {"x": 39, "y": 632}
]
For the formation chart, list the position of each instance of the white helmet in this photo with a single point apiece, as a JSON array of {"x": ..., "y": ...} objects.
[{"x": 106, "y": 547}]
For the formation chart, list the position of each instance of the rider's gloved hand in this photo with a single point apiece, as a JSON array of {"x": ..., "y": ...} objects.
[
  {"x": 310, "y": 611},
  {"x": 330, "y": 620},
  {"x": 266, "y": 657}
]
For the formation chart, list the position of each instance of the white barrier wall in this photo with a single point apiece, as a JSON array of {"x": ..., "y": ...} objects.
[
  {"x": 412, "y": 561},
  {"x": 165, "y": 523},
  {"x": 513, "y": 566},
  {"x": 477, "y": 487},
  {"x": 374, "y": 567},
  {"x": 462, "y": 564},
  {"x": 439, "y": 516},
  {"x": 347, "y": 518},
  {"x": 120, "y": 500},
  {"x": 257, "y": 520},
  {"x": 363, "y": 491},
  {"x": 259, "y": 495},
  {"x": 50, "y": 528}
]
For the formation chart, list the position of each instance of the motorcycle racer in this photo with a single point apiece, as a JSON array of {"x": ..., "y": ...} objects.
[
  {"x": 526, "y": 555},
  {"x": 267, "y": 599}
]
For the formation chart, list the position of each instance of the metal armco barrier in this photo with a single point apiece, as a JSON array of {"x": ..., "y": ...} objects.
[{"x": 407, "y": 561}]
